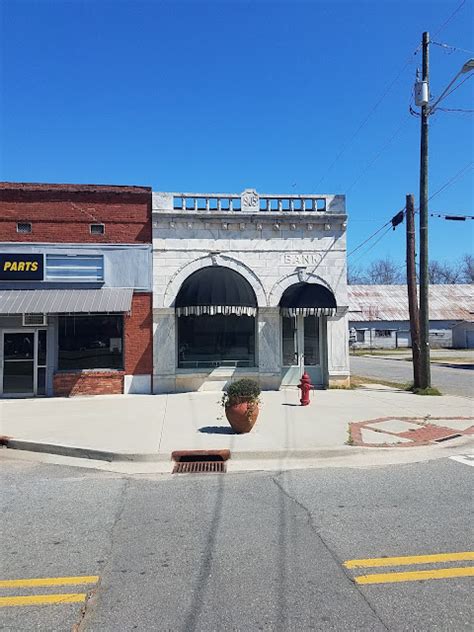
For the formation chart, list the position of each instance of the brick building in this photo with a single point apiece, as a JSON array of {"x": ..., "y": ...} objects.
[{"x": 75, "y": 289}]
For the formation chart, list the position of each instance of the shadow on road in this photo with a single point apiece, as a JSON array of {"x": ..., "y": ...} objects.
[{"x": 448, "y": 365}]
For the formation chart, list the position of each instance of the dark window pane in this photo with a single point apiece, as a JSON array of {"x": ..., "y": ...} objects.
[
  {"x": 207, "y": 341},
  {"x": 17, "y": 377},
  {"x": 42, "y": 347},
  {"x": 311, "y": 341},
  {"x": 18, "y": 346},
  {"x": 90, "y": 342},
  {"x": 41, "y": 388},
  {"x": 289, "y": 341}
]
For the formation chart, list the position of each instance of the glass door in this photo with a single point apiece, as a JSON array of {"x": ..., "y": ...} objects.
[
  {"x": 291, "y": 350},
  {"x": 24, "y": 363},
  {"x": 301, "y": 349},
  {"x": 311, "y": 357}
]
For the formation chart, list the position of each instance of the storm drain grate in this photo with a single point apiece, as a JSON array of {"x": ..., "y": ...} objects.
[
  {"x": 198, "y": 461},
  {"x": 197, "y": 467},
  {"x": 447, "y": 438}
]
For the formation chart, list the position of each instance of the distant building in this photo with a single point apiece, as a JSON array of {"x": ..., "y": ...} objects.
[
  {"x": 379, "y": 319},
  {"x": 75, "y": 289}
]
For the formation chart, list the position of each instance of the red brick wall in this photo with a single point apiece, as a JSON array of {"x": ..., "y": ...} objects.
[
  {"x": 138, "y": 348},
  {"x": 63, "y": 213},
  {"x": 138, "y": 334},
  {"x": 88, "y": 383}
]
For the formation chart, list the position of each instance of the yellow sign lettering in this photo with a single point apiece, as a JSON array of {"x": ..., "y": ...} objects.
[
  {"x": 34, "y": 266},
  {"x": 7, "y": 265}
]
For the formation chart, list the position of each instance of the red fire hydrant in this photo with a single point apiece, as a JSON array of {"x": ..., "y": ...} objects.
[{"x": 305, "y": 386}]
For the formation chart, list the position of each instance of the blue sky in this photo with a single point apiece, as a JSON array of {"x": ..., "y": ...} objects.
[{"x": 220, "y": 96}]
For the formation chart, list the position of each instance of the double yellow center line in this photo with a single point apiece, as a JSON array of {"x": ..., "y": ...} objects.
[
  {"x": 45, "y": 599},
  {"x": 413, "y": 576}
]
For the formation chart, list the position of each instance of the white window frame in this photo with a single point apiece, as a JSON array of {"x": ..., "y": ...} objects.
[{"x": 74, "y": 263}]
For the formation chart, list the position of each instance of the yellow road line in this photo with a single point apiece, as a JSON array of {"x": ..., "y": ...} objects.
[
  {"x": 414, "y": 576},
  {"x": 41, "y": 600},
  {"x": 413, "y": 559},
  {"x": 49, "y": 581}
]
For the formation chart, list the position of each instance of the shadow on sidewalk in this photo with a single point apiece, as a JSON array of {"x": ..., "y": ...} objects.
[{"x": 217, "y": 430}]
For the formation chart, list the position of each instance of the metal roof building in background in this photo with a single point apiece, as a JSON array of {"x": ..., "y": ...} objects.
[
  {"x": 67, "y": 301},
  {"x": 390, "y": 302}
]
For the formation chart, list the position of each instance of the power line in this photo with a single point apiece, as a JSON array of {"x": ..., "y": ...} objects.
[
  {"x": 458, "y": 86},
  {"x": 396, "y": 219},
  {"x": 348, "y": 143},
  {"x": 448, "y": 20},
  {"x": 453, "y": 217},
  {"x": 368, "y": 239},
  {"x": 452, "y": 48},
  {"x": 455, "y": 110},
  {"x": 345, "y": 146},
  {"x": 452, "y": 180},
  {"x": 372, "y": 246},
  {"x": 378, "y": 154}
]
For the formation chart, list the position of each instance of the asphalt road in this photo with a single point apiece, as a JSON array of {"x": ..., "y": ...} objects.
[
  {"x": 449, "y": 380},
  {"x": 240, "y": 552}
]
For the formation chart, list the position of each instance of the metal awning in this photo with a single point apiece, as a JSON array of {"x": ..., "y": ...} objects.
[
  {"x": 308, "y": 299},
  {"x": 65, "y": 301},
  {"x": 216, "y": 290}
]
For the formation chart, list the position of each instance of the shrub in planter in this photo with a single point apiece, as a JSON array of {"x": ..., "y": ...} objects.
[{"x": 241, "y": 401}]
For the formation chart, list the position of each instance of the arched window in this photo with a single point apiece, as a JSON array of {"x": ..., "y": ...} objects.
[{"x": 216, "y": 309}]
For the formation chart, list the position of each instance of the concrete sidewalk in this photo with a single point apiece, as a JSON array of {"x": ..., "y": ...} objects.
[{"x": 146, "y": 429}]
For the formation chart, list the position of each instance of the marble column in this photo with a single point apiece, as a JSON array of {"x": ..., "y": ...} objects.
[
  {"x": 164, "y": 350},
  {"x": 338, "y": 351},
  {"x": 269, "y": 347}
]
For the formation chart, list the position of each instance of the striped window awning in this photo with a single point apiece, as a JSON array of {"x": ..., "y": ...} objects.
[
  {"x": 308, "y": 299},
  {"x": 65, "y": 301},
  {"x": 216, "y": 290}
]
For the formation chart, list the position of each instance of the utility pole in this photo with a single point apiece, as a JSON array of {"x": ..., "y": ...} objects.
[
  {"x": 425, "y": 369},
  {"x": 412, "y": 292}
]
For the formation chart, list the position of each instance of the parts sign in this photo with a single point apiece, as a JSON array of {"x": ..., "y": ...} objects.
[{"x": 21, "y": 267}]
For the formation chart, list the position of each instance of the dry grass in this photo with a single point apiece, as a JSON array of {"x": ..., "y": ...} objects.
[{"x": 358, "y": 380}]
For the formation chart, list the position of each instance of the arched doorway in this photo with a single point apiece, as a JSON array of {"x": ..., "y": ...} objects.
[
  {"x": 304, "y": 308},
  {"x": 216, "y": 309}
]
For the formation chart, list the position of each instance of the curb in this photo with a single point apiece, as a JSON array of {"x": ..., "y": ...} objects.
[
  {"x": 129, "y": 457},
  {"x": 82, "y": 453}
]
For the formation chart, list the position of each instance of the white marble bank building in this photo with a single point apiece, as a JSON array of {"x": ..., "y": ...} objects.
[{"x": 248, "y": 285}]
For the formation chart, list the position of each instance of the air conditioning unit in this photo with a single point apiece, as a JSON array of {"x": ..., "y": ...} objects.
[{"x": 36, "y": 320}]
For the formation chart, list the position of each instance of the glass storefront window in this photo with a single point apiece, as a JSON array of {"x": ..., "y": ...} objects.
[
  {"x": 211, "y": 341},
  {"x": 90, "y": 342}
]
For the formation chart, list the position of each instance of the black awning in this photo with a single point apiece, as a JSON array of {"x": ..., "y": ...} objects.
[
  {"x": 216, "y": 290},
  {"x": 308, "y": 299}
]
